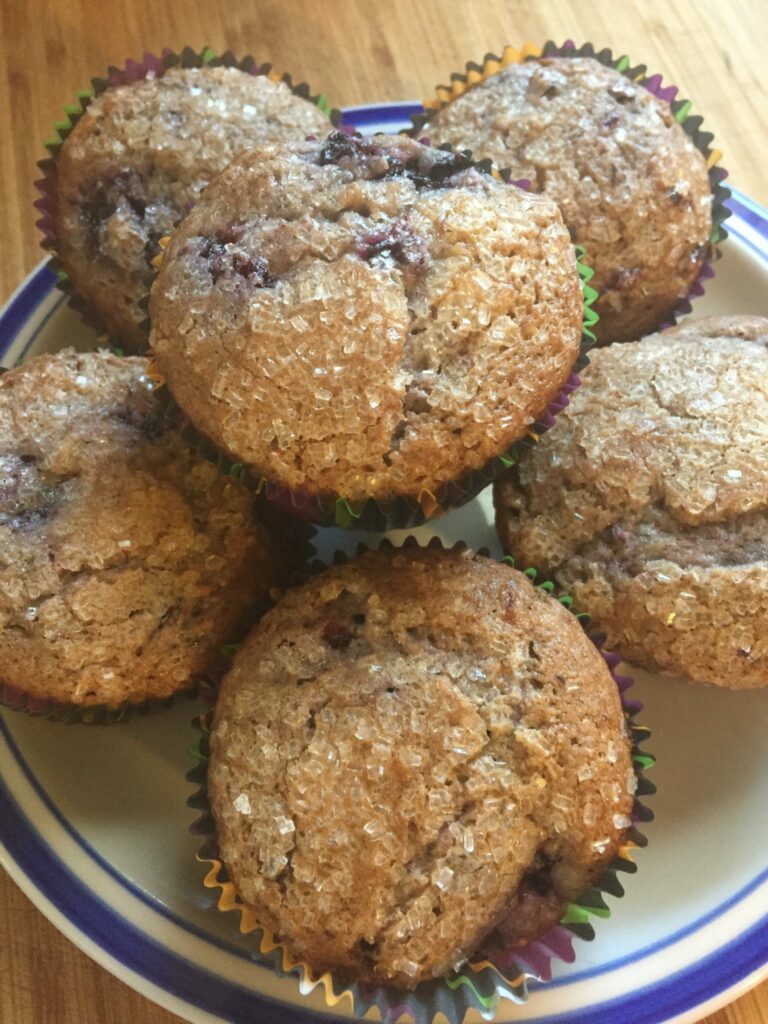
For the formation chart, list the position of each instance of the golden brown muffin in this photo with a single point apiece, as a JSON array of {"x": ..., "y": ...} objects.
[
  {"x": 139, "y": 156},
  {"x": 126, "y": 560},
  {"x": 410, "y": 749},
  {"x": 649, "y": 500},
  {"x": 369, "y": 318},
  {"x": 630, "y": 184}
]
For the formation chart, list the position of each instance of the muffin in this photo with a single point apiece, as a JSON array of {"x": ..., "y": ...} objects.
[
  {"x": 649, "y": 501},
  {"x": 140, "y": 154},
  {"x": 408, "y": 750},
  {"x": 365, "y": 318},
  {"x": 125, "y": 559},
  {"x": 630, "y": 183}
]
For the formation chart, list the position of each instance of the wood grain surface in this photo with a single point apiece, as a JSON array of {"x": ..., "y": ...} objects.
[{"x": 355, "y": 51}]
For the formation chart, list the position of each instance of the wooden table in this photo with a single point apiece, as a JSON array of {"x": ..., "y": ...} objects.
[{"x": 356, "y": 51}]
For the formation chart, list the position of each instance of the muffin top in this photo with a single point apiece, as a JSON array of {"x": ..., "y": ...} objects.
[
  {"x": 651, "y": 498},
  {"x": 365, "y": 317},
  {"x": 631, "y": 185},
  {"x": 139, "y": 155},
  {"x": 409, "y": 749},
  {"x": 125, "y": 559}
]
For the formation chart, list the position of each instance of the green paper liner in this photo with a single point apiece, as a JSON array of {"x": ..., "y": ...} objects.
[
  {"x": 483, "y": 982},
  {"x": 406, "y": 512},
  {"x": 149, "y": 66},
  {"x": 638, "y": 74}
]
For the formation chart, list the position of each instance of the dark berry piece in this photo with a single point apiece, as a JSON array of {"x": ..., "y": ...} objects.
[
  {"x": 336, "y": 635},
  {"x": 254, "y": 269},
  {"x": 223, "y": 258},
  {"x": 25, "y": 498},
  {"x": 125, "y": 188},
  {"x": 339, "y": 146},
  {"x": 398, "y": 242},
  {"x": 448, "y": 163}
]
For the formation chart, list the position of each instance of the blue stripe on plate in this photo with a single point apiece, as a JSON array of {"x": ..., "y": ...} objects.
[
  {"x": 399, "y": 114},
  {"x": 751, "y": 216},
  {"x": 682, "y": 991},
  {"x": 23, "y": 304},
  {"x": 748, "y": 210},
  {"x": 122, "y": 880}
]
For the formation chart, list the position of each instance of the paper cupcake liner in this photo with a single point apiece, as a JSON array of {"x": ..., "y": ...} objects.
[
  {"x": 482, "y": 982},
  {"x": 638, "y": 74},
  {"x": 149, "y": 66},
  {"x": 95, "y": 714},
  {"x": 406, "y": 512}
]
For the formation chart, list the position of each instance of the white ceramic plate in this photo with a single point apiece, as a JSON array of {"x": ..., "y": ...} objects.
[{"x": 94, "y": 823}]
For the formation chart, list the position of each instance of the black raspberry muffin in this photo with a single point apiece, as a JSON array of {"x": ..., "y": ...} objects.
[
  {"x": 632, "y": 185},
  {"x": 365, "y": 319},
  {"x": 141, "y": 152},
  {"x": 649, "y": 501},
  {"x": 440, "y": 748},
  {"x": 126, "y": 560}
]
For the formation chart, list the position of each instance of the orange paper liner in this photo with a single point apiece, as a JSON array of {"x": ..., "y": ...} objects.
[{"x": 481, "y": 983}]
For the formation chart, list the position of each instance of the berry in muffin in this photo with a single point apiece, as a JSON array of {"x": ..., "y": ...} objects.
[
  {"x": 365, "y": 318},
  {"x": 135, "y": 161}
]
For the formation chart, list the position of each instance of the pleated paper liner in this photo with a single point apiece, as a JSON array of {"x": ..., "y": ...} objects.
[
  {"x": 638, "y": 74},
  {"x": 96, "y": 714},
  {"x": 485, "y": 980},
  {"x": 149, "y": 66},
  {"x": 406, "y": 512}
]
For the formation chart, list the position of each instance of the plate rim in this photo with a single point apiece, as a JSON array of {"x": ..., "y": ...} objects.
[
  {"x": 43, "y": 867},
  {"x": 15, "y": 313}
]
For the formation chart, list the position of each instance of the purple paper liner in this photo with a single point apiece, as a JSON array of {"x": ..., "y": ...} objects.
[
  {"x": 481, "y": 984},
  {"x": 150, "y": 66},
  {"x": 654, "y": 83}
]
